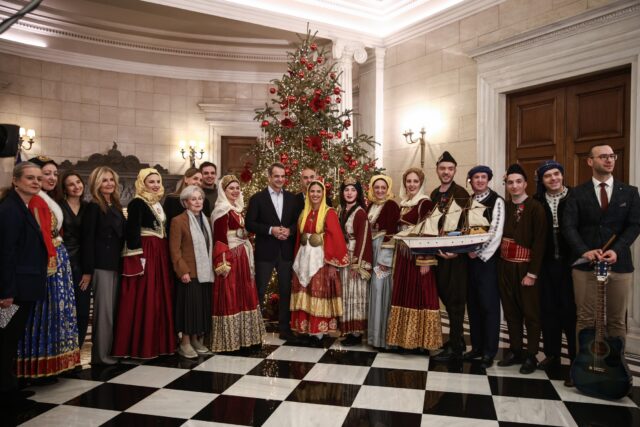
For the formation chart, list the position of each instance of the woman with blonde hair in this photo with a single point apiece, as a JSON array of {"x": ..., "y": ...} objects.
[
  {"x": 316, "y": 290},
  {"x": 384, "y": 214},
  {"x": 237, "y": 320},
  {"x": 191, "y": 244},
  {"x": 414, "y": 321},
  {"x": 102, "y": 243},
  {"x": 144, "y": 327}
]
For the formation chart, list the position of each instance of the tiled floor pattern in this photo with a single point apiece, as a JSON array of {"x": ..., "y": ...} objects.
[{"x": 290, "y": 385}]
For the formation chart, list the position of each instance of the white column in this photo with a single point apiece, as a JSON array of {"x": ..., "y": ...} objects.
[
  {"x": 344, "y": 52},
  {"x": 379, "y": 120}
]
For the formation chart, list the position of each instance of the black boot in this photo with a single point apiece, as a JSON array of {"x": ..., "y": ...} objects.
[
  {"x": 473, "y": 354},
  {"x": 529, "y": 365},
  {"x": 512, "y": 358}
]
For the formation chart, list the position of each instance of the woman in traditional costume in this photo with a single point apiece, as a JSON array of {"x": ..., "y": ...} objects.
[
  {"x": 237, "y": 320},
  {"x": 49, "y": 345},
  {"x": 316, "y": 290},
  {"x": 384, "y": 214},
  {"x": 144, "y": 325},
  {"x": 355, "y": 277},
  {"x": 414, "y": 321},
  {"x": 191, "y": 244}
]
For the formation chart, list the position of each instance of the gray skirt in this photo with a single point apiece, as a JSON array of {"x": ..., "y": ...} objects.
[{"x": 193, "y": 307}]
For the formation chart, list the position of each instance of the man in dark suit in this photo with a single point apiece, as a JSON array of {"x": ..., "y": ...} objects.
[
  {"x": 597, "y": 210},
  {"x": 23, "y": 274},
  {"x": 272, "y": 216}
]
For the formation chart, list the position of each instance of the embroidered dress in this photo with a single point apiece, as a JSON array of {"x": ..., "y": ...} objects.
[
  {"x": 414, "y": 321},
  {"x": 316, "y": 299},
  {"x": 384, "y": 223},
  {"x": 354, "y": 290},
  {"x": 237, "y": 320},
  {"x": 144, "y": 324},
  {"x": 49, "y": 345}
]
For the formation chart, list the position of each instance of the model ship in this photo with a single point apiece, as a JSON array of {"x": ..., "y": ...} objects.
[{"x": 441, "y": 232}]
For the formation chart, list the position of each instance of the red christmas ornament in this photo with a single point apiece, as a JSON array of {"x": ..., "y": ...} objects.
[
  {"x": 310, "y": 66},
  {"x": 272, "y": 90},
  {"x": 264, "y": 123},
  {"x": 291, "y": 99},
  {"x": 333, "y": 75},
  {"x": 286, "y": 113},
  {"x": 325, "y": 155},
  {"x": 277, "y": 140},
  {"x": 338, "y": 100},
  {"x": 303, "y": 99},
  {"x": 283, "y": 105},
  {"x": 338, "y": 134},
  {"x": 303, "y": 60},
  {"x": 328, "y": 186},
  {"x": 317, "y": 92},
  {"x": 330, "y": 135},
  {"x": 287, "y": 123},
  {"x": 366, "y": 167},
  {"x": 320, "y": 60},
  {"x": 287, "y": 171},
  {"x": 317, "y": 104},
  {"x": 347, "y": 123},
  {"x": 284, "y": 158},
  {"x": 327, "y": 99},
  {"x": 323, "y": 133},
  {"x": 341, "y": 170},
  {"x": 301, "y": 74},
  {"x": 313, "y": 46},
  {"x": 295, "y": 162},
  {"x": 336, "y": 90}
]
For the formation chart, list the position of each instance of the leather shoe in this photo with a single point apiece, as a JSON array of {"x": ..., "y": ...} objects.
[
  {"x": 512, "y": 358},
  {"x": 447, "y": 355},
  {"x": 351, "y": 340},
  {"x": 529, "y": 365},
  {"x": 473, "y": 354},
  {"x": 315, "y": 341},
  {"x": 569, "y": 383},
  {"x": 287, "y": 336},
  {"x": 550, "y": 362},
  {"x": 486, "y": 362}
]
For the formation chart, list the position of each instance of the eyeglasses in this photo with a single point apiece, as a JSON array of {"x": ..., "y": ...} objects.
[{"x": 604, "y": 157}]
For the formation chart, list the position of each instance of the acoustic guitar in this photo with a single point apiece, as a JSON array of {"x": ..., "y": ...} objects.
[{"x": 600, "y": 369}]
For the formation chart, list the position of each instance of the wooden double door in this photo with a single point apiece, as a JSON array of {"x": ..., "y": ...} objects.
[{"x": 563, "y": 120}]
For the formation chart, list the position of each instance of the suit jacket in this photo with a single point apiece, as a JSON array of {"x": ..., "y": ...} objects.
[
  {"x": 261, "y": 215},
  {"x": 586, "y": 227},
  {"x": 183, "y": 254},
  {"x": 555, "y": 244},
  {"x": 23, "y": 254},
  {"x": 102, "y": 238}
]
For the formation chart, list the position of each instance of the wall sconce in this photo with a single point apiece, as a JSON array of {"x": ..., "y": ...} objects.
[
  {"x": 192, "y": 151},
  {"x": 408, "y": 137},
  {"x": 30, "y": 134}
]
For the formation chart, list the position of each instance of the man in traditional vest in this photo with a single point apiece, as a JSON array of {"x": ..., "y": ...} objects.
[
  {"x": 521, "y": 254},
  {"x": 483, "y": 297},
  {"x": 557, "y": 306},
  {"x": 451, "y": 273}
]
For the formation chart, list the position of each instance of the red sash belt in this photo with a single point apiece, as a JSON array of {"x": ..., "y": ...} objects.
[{"x": 513, "y": 252}]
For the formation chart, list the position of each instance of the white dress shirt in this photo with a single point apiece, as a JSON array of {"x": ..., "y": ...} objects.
[{"x": 608, "y": 188}]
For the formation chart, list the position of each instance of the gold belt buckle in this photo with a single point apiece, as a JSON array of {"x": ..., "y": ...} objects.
[
  {"x": 304, "y": 238},
  {"x": 241, "y": 233},
  {"x": 315, "y": 240}
]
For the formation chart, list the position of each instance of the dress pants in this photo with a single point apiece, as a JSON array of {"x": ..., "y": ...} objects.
[
  {"x": 263, "y": 275},
  {"x": 618, "y": 289},
  {"x": 483, "y": 305},
  {"x": 9, "y": 337},
  {"x": 451, "y": 280},
  {"x": 105, "y": 298},
  {"x": 557, "y": 308},
  {"x": 520, "y": 302}
]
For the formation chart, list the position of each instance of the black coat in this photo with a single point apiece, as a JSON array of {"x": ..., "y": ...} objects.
[
  {"x": 261, "y": 215},
  {"x": 555, "y": 244},
  {"x": 23, "y": 254},
  {"x": 102, "y": 238},
  {"x": 586, "y": 227},
  {"x": 72, "y": 232}
]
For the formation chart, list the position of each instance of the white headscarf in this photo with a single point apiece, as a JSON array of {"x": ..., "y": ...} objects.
[
  {"x": 405, "y": 202},
  {"x": 223, "y": 206}
]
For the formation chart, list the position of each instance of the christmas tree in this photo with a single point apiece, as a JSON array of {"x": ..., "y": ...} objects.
[{"x": 304, "y": 126}]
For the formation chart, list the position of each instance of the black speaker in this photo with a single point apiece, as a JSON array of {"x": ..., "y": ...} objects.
[{"x": 9, "y": 139}]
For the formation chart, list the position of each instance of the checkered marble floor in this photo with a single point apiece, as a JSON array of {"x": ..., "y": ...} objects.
[{"x": 289, "y": 385}]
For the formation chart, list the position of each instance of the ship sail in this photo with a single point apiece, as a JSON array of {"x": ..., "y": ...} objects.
[
  {"x": 452, "y": 218},
  {"x": 476, "y": 215},
  {"x": 429, "y": 226}
]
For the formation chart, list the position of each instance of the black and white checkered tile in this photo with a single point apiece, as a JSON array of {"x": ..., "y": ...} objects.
[{"x": 287, "y": 385}]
